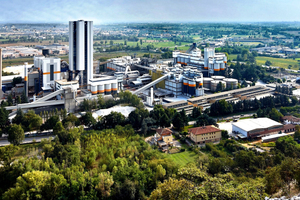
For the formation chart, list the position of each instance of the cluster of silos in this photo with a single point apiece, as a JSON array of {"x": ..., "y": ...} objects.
[
  {"x": 212, "y": 83},
  {"x": 105, "y": 89},
  {"x": 192, "y": 83}
]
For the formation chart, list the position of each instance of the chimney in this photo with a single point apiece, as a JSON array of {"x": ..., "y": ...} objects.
[
  {"x": 1, "y": 93},
  {"x": 26, "y": 78}
]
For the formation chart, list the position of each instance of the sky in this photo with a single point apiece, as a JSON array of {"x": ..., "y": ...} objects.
[{"x": 115, "y": 11}]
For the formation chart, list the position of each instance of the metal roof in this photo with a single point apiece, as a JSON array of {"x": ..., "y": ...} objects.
[{"x": 253, "y": 124}]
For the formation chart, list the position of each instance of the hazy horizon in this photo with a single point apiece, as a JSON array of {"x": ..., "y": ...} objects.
[{"x": 146, "y": 11}]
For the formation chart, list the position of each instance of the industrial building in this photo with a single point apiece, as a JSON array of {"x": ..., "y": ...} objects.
[
  {"x": 256, "y": 128},
  {"x": 81, "y": 51},
  {"x": 54, "y": 82},
  {"x": 210, "y": 64},
  {"x": 49, "y": 71}
]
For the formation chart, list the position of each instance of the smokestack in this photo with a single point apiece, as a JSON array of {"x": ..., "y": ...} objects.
[
  {"x": 1, "y": 93},
  {"x": 26, "y": 78}
]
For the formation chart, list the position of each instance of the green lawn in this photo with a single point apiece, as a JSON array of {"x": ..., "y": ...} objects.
[
  {"x": 278, "y": 62},
  {"x": 183, "y": 158}
]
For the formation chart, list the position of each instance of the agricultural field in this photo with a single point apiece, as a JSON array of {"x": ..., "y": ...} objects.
[
  {"x": 278, "y": 62},
  {"x": 144, "y": 44},
  {"x": 43, "y": 42}
]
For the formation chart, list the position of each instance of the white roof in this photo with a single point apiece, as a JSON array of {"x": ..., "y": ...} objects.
[
  {"x": 273, "y": 136},
  {"x": 258, "y": 123}
]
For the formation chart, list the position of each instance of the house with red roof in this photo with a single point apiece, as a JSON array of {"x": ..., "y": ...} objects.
[
  {"x": 205, "y": 134},
  {"x": 164, "y": 138}
]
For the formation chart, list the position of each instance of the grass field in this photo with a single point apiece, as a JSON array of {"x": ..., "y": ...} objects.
[
  {"x": 183, "y": 158},
  {"x": 278, "y": 62}
]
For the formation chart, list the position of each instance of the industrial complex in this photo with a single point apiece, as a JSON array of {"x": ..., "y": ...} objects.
[{"x": 189, "y": 79}]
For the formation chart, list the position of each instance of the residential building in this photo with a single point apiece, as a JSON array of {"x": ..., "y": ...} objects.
[
  {"x": 291, "y": 120},
  {"x": 164, "y": 138},
  {"x": 289, "y": 128},
  {"x": 205, "y": 134}
]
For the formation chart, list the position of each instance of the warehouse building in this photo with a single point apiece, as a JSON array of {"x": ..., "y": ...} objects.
[{"x": 257, "y": 128}]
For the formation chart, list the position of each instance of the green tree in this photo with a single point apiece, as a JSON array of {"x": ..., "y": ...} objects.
[
  {"x": 15, "y": 134},
  {"x": 18, "y": 100},
  {"x": 10, "y": 100},
  {"x": 7, "y": 155},
  {"x": 268, "y": 63},
  {"x": 50, "y": 123},
  {"x": 275, "y": 114},
  {"x": 37, "y": 185},
  {"x": 178, "y": 121},
  {"x": 88, "y": 119},
  {"x": 297, "y": 132},
  {"x": 24, "y": 98}
]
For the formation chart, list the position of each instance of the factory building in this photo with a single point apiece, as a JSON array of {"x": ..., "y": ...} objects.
[
  {"x": 210, "y": 64},
  {"x": 121, "y": 64},
  {"x": 50, "y": 71},
  {"x": 81, "y": 51},
  {"x": 256, "y": 128}
]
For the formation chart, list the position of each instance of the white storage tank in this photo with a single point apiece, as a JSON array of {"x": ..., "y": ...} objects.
[
  {"x": 231, "y": 83},
  {"x": 94, "y": 89},
  {"x": 114, "y": 88},
  {"x": 206, "y": 82},
  {"x": 214, "y": 85},
  {"x": 107, "y": 89},
  {"x": 218, "y": 77},
  {"x": 100, "y": 89}
]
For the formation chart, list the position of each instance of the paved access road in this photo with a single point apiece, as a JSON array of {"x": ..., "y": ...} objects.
[{"x": 27, "y": 140}]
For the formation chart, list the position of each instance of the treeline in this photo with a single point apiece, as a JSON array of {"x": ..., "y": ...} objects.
[
  {"x": 249, "y": 72},
  {"x": 144, "y": 121},
  {"x": 284, "y": 89},
  {"x": 116, "y": 37},
  {"x": 278, "y": 168},
  {"x": 110, "y": 164},
  {"x": 222, "y": 107}
]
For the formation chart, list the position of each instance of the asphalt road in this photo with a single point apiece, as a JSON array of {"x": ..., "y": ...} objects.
[{"x": 27, "y": 140}]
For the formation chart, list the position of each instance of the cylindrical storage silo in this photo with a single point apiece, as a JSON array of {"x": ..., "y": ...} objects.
[
  {"x": 94, "y": 89},
  {"x": 223, "y": 85},
  {"x": 231, "y": 83},
  {"x": 199, "y": 82},
  {"x": 107, "y": 89},
  {"x": 218, "y": 77},
  {"x": 100, "y": 89},
  {"x": 114, "y": 88},
  {"x": 185, "y": 86},
  {"x": 192, "y": 87},
  {"x": 206, "y": 82},
  {"x": 217, "y": 68},
  {"x": 214, "y": 85},
  {"x": 222, "y": 66}
]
